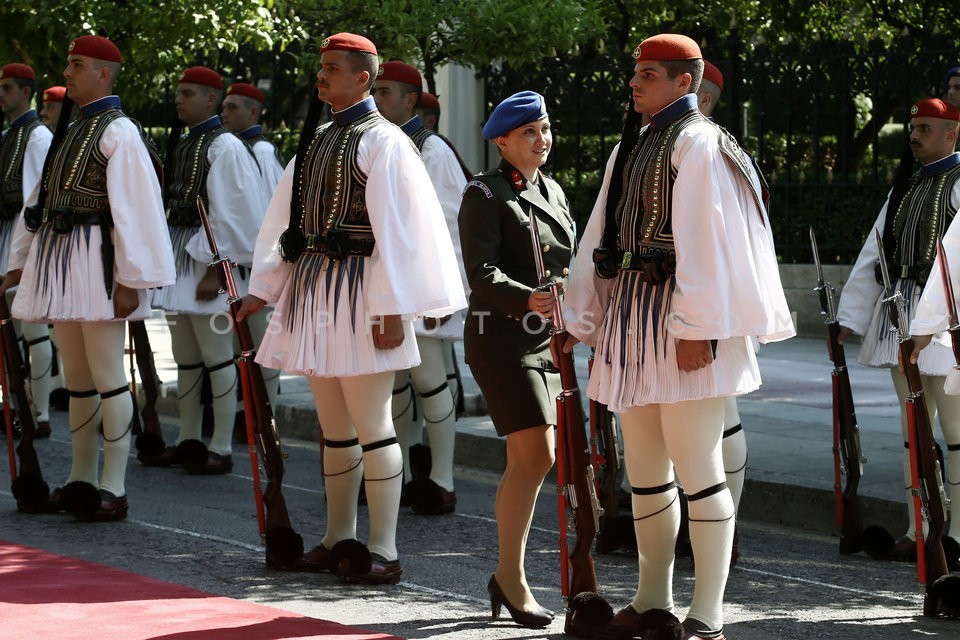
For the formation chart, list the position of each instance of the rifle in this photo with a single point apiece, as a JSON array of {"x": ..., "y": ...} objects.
[
  {"x": 929, "y": 499},
  {"x": 149, "y": 442},
  {"x": 28, "y": 487},
  {"x": 576, "y": 486},
  {"x": 611, "y": 536},
  {"x": 284, "y": 546},
  {"x": 848, "y": 458}
]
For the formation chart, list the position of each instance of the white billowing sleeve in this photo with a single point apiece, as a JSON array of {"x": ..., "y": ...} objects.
[
  {"x": 861, "y": 291},
  {"x": 237, "y": 202},
  {"x": 931, "y": 316},
  {"x": 270, "y": 167},
  {"x": 586, "y": 295},
  {"x": 727, "y": 282},
  {"x": 449, "y": 182},
  {"x": 143, "y": 256},
  {"x": 413, "y": 269},
  {"x": 20, "y": 238},
  {"x": 270, "y": 273},
  {"x": 33, "y": 157}
]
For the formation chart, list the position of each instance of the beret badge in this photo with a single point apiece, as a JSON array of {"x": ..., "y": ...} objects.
[
  {"x": 325, "y": 43},
  {"x": 636, "y": 52},
  {"x": 914, "y": 109}
]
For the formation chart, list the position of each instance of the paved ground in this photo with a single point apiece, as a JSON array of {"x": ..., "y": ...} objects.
[
  {"x": 788, "y": 423},
  {"x": 790, "y": 583}
]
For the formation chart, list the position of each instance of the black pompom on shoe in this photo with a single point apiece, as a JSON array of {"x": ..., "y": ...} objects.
[
  {"x": 877, "y": 542},
  {"x": 660, "y": 624},
  {"x": 192, "y": 455},
  {"x": 80, "y": 499},
  {"x": 351, "y": 556},
  {"x": 946, "y": 591},
  {"x": 588, "y": 610},
  {"x": 430, "y": 499}
]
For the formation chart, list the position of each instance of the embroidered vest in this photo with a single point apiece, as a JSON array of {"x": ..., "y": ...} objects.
[
  {"x": 334, "y": 200},
  {"x": 190, "y": 170},
  {"x": 77, "y": 177},
  {"x": 420, "y": 137},
  {"x": 923, "y": 216},
  {"x": 11, "y": 166},
  {"x": 643, "y": 213}
]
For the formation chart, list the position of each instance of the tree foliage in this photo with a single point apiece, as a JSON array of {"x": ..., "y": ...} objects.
[
  {"x": 468, "y": 32},
  {"x": 157, "y": 39}
]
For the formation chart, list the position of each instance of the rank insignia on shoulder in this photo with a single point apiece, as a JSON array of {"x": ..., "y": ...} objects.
[{"x": 483, "y": 187}]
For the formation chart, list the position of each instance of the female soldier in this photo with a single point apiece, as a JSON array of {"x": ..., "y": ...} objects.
[{"x": 506, "y": 338}]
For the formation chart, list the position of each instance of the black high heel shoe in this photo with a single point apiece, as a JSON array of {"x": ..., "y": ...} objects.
[{"x": 531, "y": 619}]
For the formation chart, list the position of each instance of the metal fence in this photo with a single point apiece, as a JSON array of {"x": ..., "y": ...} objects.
[{"x": 825, "y": 124}]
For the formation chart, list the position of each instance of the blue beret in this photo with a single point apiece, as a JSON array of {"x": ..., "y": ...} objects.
[
  {"x": 518, "y": 109},
  {"x": 953, "y": 71}
]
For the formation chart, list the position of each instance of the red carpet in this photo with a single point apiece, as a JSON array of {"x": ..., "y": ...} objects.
[{"x": 49, "y": 597}]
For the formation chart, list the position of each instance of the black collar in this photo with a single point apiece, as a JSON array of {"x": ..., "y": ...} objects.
[
  {"x": 357, "y": 111},
  {"x": 251, "y": 132},
  {"x": 97, "y": 106},
  {"x": 941, "y": 165},
  {"x": 673, "y": 111},
  {"x": 412, "y": 125},
  {"x": 207, "y": 125}
]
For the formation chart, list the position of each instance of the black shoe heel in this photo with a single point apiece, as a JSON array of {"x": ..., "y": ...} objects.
[{"x": 530, "y": 619}]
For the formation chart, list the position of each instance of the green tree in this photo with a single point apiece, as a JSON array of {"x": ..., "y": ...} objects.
[
  {"x": 469, "y": 32},
  {"x": 157, "y": 39}
]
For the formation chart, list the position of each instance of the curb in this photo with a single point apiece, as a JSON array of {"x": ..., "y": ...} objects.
[{"x": 479, "y": 447}]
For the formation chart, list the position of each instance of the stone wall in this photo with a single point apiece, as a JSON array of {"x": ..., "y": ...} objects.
[{"x": 799, "y": 281}]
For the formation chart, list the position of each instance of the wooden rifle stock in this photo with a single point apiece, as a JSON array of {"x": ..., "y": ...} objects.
[
  {"x": 928, "y": 493},
  {"x": 576, "y": 484},
  {"x": 28, "y": 488},
  {"x": 848, "y": 457},
  {"x": 575, "y": 471},
  {"x": 608, "y": 463},
  {"x": 150, "y": 383},
  {"x": 929, "y": 497},
  {"x": 283, "y": 545}
]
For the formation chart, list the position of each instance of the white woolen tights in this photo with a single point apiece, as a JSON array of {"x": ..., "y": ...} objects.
[
  {"x": 359, "y": 407},
  {"x": 685, "y": 436},
  {"x": 99, "y": 343}
]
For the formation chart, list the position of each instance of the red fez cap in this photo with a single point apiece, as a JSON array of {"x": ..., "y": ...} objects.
[
  {"x": 347, "y": 42},
  {"x": 428, "y": 101},
  {"x": 246, "y": 90},
  {"x": 935, "y": 108},
  {"x": 95, "y": 47},
  {"x": 400, "y": 72},
  {"x": 17, "y": 70},
  {"x": 667, "y": 46},
  {"x": 712, "y": 74},
  {"x": 201, "y": 75},
  {"x": 54, "y": 94}
]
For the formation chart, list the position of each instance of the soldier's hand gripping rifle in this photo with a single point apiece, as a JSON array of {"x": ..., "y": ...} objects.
[
  {"x": 848, "y": 459},
  {"x": 28, "y": 487},
  {"x": 284, "y": 545},
  {"x": 929, "y": 499},
  {"x": 576, "y": 486}
]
